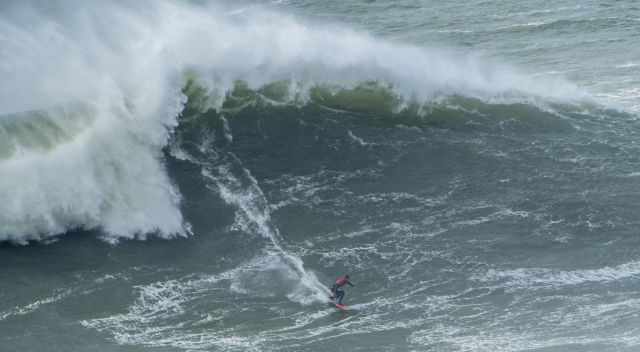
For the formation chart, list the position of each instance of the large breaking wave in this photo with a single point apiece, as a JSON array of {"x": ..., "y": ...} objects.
[{"x": 92, "y": 92}]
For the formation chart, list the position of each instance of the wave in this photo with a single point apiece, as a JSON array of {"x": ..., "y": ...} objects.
[{"x": 92, "y": 93}]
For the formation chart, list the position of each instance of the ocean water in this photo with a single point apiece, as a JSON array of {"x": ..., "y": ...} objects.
[{"x": 194, "y": 175}]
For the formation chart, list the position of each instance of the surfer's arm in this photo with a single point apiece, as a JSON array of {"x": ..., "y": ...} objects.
[{"x": 350, "y": 284}]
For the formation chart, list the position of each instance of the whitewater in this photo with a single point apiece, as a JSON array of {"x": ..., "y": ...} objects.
[{"x": 193, "y": 175}]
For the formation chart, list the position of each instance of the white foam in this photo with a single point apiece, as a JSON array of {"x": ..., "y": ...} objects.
[
  {"x": 162, "y": 314},
  {"x": 537, "y": 277},
  {"x": 357, "y": 139},
  {"x": 500, "y": 214},
  {"x": 35, "y": 305},
  {"x": 628, "y": 65}
]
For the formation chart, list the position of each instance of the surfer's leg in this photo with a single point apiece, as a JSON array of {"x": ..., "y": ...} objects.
[{"x": 339, "y": 296}]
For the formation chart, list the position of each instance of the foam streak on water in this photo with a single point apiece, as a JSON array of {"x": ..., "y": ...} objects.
[{"x": 253, "y": 215}]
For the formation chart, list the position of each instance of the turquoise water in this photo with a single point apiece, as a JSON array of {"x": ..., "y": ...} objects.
[{"x": 193, "y": 176}]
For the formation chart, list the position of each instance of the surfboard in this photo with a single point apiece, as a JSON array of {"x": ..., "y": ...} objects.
[{"x": 342, "y": 307}]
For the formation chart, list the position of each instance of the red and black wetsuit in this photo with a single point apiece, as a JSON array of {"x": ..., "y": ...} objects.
[{"x": 336, "y": 288}]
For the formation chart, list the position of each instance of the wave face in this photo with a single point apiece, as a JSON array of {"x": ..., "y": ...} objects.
[{"x": 90, "y": 97}]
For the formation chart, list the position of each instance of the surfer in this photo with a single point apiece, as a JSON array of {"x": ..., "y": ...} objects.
[{"x": 336, "y": 289}]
